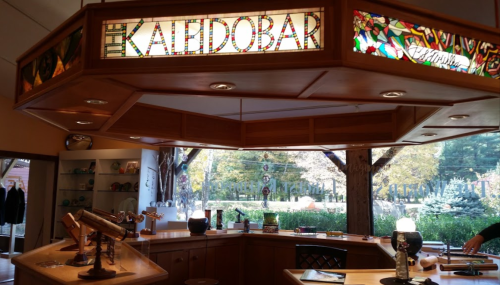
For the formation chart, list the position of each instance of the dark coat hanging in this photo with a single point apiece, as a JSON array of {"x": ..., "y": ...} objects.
[
  {"x": 12, "y": 206},
  {"x": 3, "y": 193},
  {"x": 22, "y": 207}
]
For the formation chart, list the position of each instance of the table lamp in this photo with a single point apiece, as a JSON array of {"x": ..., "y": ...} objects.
[
  {"x": 198, "y": 223},
  {"x": 413, "y": 237}
]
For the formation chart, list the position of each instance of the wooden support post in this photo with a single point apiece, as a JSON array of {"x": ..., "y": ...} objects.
[{"x": 359, "y": 197}]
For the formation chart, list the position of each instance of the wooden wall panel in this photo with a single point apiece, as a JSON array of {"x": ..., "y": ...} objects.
[
  {"x": 289, "y": 132},
  {"x": 354, "y": 128},
  {"x": 212, "y": 129},
  {"x": 155, "y": 122}
]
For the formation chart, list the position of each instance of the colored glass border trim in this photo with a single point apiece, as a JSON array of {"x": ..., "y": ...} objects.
[{"x": 392, "y": 38}]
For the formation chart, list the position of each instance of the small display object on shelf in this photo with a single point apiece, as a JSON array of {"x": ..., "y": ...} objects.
[
  {"x": 198, "y": 224},
  {"x": 154, "y": 217},
  {"x": 270, "y": 223},
  {"x": 305, "y": 231}
]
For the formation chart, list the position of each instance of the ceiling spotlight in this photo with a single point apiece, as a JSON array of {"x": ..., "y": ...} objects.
[
  {"x": 135, "y": 138},
  {"x": 392, "y": 94},
  {"x": 84, "y": 122},
  {"x": 357, "y": 145},
  {"x": 429, "y": 134},
  {"x": 95, "y": 101},
  {"x": 458, "y": 117},
  {"x": 222, "y": 86}
]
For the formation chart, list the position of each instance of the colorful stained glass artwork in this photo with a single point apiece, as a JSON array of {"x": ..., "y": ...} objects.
[
  {"x": 266, "y": 179},
  {"x": 392, "y": 38},
  {"x": 265, "y": 167},
  {"x": 269, "y": 31},
  {"x": 53, "y": 62}
]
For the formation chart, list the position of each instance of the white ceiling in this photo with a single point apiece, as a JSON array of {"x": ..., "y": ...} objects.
[{"x": 24, "y": 22}]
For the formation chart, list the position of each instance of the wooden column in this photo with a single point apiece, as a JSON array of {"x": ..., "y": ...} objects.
[{"x": 359, "y": 198}]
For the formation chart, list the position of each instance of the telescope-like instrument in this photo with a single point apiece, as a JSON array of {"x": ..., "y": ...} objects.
[
  {"x": 118, "y": 218},
  {"x": 154, "y": 216},
  {"x": 135, "y": 218},
  {"x": 239, "y": 213}
]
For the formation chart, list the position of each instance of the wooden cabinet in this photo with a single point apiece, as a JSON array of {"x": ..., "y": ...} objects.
[
  {"x": 197, "y": 259},
  {"x": 176, "y": 263},
  {"x": 227, "y": 264}
]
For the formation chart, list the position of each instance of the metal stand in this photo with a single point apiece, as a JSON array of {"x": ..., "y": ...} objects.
[
  {"x": 97, "y": 272},
  {"x": 12, "y": 244}
]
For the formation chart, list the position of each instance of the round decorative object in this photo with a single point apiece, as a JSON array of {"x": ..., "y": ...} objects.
[
  {"x": 115, "y": 186},
  {"x": 115, "y": 165},
  {"x": 183, "y": 178},
  {"x": 127, "y": 186},
  {"x": 265, "y": 191},
  {"x": 197, "y": 227},
  {"x": 414, "y": 240},
  {"x": 81, "y": 198},
  {"x": 78, "y": 142},
  {"x": 65, "y": 202},
  {"x": 136, "y": 186},
  {"x": 266, "y": 178},
  {"x": 265, "y": 167},
  {"x": 184, "y": 157},
  {"x": 91, "y": 181},
  {"x": 266, "y": 155},
  {"x": 184, "y": 167}
]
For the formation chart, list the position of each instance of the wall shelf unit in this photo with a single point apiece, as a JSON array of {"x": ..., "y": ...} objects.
[{"x": 111, "y": 180}]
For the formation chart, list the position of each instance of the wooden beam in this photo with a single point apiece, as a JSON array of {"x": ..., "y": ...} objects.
[
  {"x": 191, "y": 156},
  {"x": 386, "y": 158},
  {"x": 336, "y": 160},
  {"x": 359, "y": 192},
  {"x": 314, "y": 86}
]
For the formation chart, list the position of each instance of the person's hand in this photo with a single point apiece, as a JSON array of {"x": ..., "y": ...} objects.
[{"x": 474, "y": 244}]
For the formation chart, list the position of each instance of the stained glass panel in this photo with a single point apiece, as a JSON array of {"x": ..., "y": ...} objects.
[
  {"x": 53, "y": 62},
  {"x": 383, "y": 36}
]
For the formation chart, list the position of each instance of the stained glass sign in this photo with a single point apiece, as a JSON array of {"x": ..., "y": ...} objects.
[
  {"x": 396, "y": 39},
  {"x": 258, "y": 32}
]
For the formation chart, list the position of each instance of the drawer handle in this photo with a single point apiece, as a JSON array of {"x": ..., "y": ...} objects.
[{"x": 180, "y": 259}]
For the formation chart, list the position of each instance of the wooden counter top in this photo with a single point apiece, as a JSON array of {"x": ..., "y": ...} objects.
[
  {"x": 373, "y": 276},
  {"x": 132, "y": 268}
]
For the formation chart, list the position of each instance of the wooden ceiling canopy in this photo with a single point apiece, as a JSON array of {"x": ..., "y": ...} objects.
[{"x": 328, "y": 72}]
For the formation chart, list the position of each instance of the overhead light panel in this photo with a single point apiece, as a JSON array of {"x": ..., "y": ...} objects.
[
  {"x": 135, "y": 138},
  {"x": 222, "y": 86},
  {"x": 84, "y": 122},
  {"x": 429, "y": 134},
  {"x": 392, "y": 94},
  {"x": 458, "y": 117},
  {"x": 96, "y": 101}
]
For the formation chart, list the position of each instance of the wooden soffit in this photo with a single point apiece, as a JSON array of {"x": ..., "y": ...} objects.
[{"x": 325, "y": 97}]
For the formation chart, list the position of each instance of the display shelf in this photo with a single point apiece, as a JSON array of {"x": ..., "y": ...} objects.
[
  {"x": 111, "y": 191},
  {"x": 95, "y": 187},
  {"x": 120, "y": 174}
]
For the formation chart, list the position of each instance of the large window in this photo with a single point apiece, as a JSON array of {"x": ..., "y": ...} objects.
[
  {"x": 305, "y": 188},
  {"x": 451, "y": 189}
]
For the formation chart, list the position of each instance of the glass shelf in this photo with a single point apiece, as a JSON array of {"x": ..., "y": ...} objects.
[
  {"x": 71, "y": 173},
  {"x": 77, "y": 190},
  {"x": 120, "y": 174},
  {"x": 117, "y": 191}
]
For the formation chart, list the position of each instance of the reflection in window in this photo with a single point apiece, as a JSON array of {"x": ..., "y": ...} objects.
[{"x": 451, "y": 189}]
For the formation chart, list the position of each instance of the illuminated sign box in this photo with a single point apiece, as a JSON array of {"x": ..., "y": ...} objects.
[
  {"x": 256, "y": 32},
  {"x": 396, "y": 39}
]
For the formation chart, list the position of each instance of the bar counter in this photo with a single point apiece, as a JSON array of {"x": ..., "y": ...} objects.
[{"x": 236, "y": 258}]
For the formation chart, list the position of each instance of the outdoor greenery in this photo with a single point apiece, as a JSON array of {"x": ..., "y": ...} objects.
[{"x": 431, "y": 228}]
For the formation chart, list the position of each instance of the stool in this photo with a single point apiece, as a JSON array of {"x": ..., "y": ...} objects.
[{"x": 201, "y": 281}]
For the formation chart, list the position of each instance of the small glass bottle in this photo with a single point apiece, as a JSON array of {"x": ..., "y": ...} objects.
[
  {"x": 219, "y": 219},
  {"x": 402, "y": 272}
]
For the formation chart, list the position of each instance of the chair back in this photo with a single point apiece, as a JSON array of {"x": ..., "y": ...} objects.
[{"x": 319, "y": 257}]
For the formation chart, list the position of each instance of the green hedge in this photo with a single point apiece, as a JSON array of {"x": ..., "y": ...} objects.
[{"x": 442, "y": 228}]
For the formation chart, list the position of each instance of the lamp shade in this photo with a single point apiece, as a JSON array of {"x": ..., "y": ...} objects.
[
  {"x": 413, "y": 239},
  {"x": 198, "y": 226}
]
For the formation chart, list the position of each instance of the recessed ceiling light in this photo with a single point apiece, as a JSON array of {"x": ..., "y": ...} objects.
[
  {"x": 392, "y": 94},
  {"x": 84, "y": 122},
  {"x": 135, "y": 138},
  {"x": 95, "y": 101},
  {"x": 429, "y": 134},
  {"x": 222, "y": 86},
  {"x": 357, "y": 144},
  {"x": 202, "y": 144},
  {"x": 458, "y": 117}
]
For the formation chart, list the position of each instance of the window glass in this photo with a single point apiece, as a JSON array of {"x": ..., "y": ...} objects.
[
  {"x": 450, "y": 189},
  {"x": 304, "y": 188}
]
